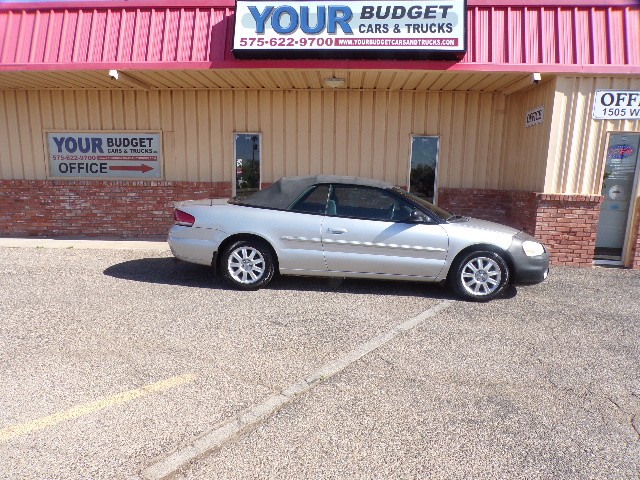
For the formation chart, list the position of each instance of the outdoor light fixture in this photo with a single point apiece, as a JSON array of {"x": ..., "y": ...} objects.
[
  {"x": 525, "y": 82},
  {"x": 335, "y": 82},
  {"x": 128, "y": 80}
]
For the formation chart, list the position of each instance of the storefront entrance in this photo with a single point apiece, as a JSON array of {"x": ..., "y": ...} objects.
[{"x": 618, "y": 190}]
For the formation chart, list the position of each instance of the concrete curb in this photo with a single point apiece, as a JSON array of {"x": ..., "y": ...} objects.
[{"x": 84, "y": 244}]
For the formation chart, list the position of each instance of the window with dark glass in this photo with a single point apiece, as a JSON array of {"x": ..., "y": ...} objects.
[
  {"x": 314, "y": 201},
  {"x": 369, "y": 203},
  {"x": 247, "y": 168},
  {"x": 424, "y": 167}
]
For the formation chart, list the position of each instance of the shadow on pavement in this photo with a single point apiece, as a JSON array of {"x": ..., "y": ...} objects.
[
  {"x": 170, "y": 271},
  {"x": 165, "y": 271}
]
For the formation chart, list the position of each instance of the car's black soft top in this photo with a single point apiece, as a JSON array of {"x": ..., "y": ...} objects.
[{"x": 285, "y": 191}]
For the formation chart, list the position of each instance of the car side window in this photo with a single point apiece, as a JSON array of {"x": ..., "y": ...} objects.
[
  {"x": 369, "y": 203},
  {"x": 313, "y": 201}
]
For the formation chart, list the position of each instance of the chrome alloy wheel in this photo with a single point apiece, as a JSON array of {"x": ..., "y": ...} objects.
[
  {"x": 246, "y": 265},
  {"x": 481, "y": 276}
]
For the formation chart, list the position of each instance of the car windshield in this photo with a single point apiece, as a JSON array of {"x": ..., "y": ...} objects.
[{"x": 437, "y": 211}]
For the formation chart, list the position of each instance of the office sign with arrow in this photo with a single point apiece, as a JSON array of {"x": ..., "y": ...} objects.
[{"x": 105, "y": 155}]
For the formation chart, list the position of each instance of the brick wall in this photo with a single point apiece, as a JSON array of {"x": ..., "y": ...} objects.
[
  {"x": 509, "y": 207},
  {"x": 116, "y": 209},
  {"x": 567, "y": 224},
  {"x": 121, "y": 209}
]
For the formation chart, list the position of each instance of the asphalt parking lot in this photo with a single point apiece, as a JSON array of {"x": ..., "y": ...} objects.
[{"x": 127, "y": 364}]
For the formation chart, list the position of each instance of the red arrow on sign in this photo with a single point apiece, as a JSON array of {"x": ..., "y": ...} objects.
[{"x": 139, "y": 168}]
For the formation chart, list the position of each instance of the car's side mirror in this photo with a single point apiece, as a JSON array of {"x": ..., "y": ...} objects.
[{"x": 417, "y": 216}]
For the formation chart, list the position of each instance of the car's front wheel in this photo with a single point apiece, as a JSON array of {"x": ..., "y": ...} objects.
[
  {"x": 248, "y": 264},
  {"x": 480, "y": 276}
]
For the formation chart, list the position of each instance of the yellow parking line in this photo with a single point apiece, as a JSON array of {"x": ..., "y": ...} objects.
[{"x": 12, "y": 431}]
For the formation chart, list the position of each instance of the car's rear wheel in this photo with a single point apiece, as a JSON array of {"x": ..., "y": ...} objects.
[
  {"x": 248, "y": 264},
  {"x": 480, "y": 276}
]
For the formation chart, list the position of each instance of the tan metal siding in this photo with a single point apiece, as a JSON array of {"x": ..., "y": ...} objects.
[
  {"x": 19, "y": 119},
  {"x": 469, "y": 154},
  {"x": 577, "y": 141},
  {"x": 525, "y": 149},
  {"x": 365, "y": 133}
]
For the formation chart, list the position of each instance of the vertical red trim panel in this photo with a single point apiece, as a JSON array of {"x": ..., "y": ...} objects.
[{"x": 632, "y": 34}]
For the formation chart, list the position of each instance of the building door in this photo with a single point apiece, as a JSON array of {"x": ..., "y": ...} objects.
[{"x": 618, "y": 189}]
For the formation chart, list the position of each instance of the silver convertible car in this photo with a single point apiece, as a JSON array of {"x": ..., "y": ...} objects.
[{"x": 357, "y": 228}]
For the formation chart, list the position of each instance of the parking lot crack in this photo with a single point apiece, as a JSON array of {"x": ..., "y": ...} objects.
[
  {"x": 635, "y": 424},
  {"x": 617, "y": 405},
  {"x": 601, "y": 401}
]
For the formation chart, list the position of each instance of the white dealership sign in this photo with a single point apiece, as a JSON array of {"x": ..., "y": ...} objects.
[
  {"x": 105, "y": 155},
  {"x": 616, "y": 104},
  {"x": 297, "y": 27}
]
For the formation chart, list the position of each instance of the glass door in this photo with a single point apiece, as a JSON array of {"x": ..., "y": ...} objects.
[{"x": 618, "y": 189}]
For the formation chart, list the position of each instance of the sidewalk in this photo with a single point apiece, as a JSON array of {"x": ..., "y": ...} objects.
[{"x": 85, "y": 243}]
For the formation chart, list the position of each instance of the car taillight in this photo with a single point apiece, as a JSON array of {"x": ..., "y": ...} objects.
[{"x": 183, "y": 218}]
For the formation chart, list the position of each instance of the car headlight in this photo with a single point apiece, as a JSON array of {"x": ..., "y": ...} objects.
[{"x": 532, "y": 249}]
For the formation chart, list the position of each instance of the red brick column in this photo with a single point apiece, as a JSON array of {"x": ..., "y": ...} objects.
[
  {"x": 118, "y": 209},
  {"x": 568, "y": 224},
  {"x": 635, "y": 244}
]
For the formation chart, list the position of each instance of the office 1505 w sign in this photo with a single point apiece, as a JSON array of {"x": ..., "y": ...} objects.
[
  {"x": 104, "y": 155},
  {"x": 616, "y": 105},
  {"x": 328, "y": 29}
]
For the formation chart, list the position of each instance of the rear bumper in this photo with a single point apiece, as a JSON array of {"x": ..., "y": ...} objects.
[
  {"x": 527, "y": 270},
  {"x": 193, "y": 250}
]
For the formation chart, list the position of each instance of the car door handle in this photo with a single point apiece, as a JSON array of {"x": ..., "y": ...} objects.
[{"x": 337, "y": 231}]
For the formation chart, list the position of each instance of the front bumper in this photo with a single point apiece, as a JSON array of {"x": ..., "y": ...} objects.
[{"x": 527, "y": 269}]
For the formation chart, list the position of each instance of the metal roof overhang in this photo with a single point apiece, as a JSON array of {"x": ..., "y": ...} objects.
[
  {"x": 400, "y": 80},
  {"x": 185, "y": 45}
]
